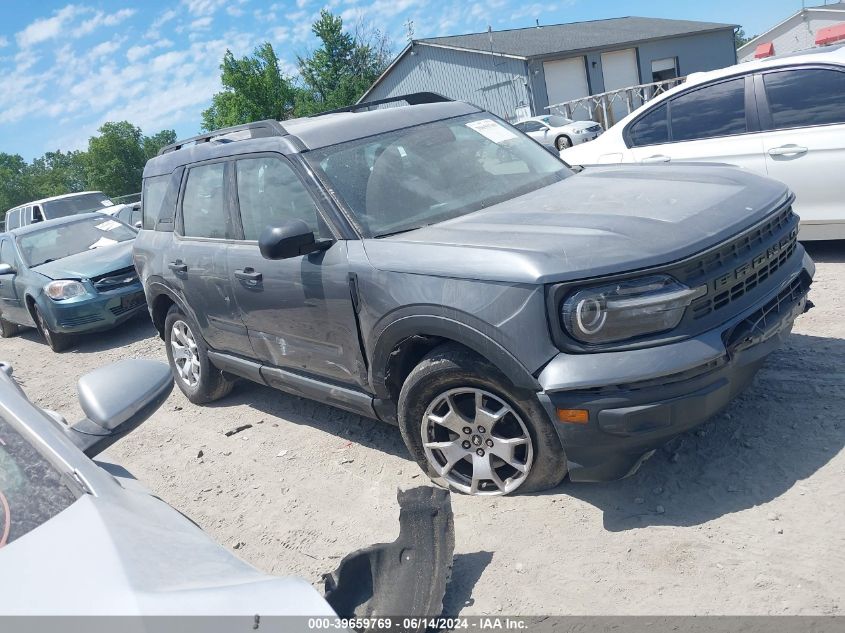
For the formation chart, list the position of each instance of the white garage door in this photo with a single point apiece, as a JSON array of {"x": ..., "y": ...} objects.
[
  {"x": 566, "y": 79},
  {"x": 619, "y": 70}
]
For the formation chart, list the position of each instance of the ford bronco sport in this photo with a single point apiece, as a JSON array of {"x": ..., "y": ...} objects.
[{"x": 430, "y": 266}]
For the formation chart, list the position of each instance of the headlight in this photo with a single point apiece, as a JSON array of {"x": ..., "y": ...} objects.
[
  {"x": 627, "y": 309},
  {"x": 64, "y": 289}
]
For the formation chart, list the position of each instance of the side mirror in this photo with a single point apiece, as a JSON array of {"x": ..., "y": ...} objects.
[
  {"x": 138, "y": 225},
  {"x": 291, "y": 239},
  {"x": 116, "y": 399},
  {"x": 7, "y": 269}
]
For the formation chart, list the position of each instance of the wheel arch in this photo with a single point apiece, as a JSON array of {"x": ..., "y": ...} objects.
[
  {"x": 159, "y": 299},
  {"x": 404, "y": 341}
]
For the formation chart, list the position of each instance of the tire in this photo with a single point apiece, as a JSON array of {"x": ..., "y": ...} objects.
[
  {"x": 57, "y": 341},
  {"x": 7, "y": 328},
  {"x": 197, "y": 377},
  {"x": 563, "y": 142},
  {"x": 448, "y": 385}
]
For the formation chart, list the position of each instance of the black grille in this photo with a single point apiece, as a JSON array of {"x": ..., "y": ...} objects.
[
  {"x": 757, "y": 325},
  {"x": 744, "y": 264},
  {"x": 594, "y": 128},
  {"x": 115, "y": 279}
]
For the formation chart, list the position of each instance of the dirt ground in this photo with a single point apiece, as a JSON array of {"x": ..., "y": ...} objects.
[{"x": 743, "y": 516}]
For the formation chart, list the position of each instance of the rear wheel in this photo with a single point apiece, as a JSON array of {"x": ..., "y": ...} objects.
[
  {"x": 57, "y": 341},
  {"x": 472, "y": 431},
  {"x": 562, "y": 142},
  {"x": 187, "y": 354}
]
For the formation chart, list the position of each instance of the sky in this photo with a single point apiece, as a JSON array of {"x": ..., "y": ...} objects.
[{"x": 66, "y": 68}]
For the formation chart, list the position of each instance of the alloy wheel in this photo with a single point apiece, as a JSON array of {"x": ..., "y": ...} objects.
[
  {"x": 563, "y": 142},
  {"x": 477, "y": 442},
  {"x": 183, "y": 347}
]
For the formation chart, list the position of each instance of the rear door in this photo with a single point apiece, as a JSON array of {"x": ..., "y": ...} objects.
[
  {"x": 298, "y": 311},
  {"x": 196, "y": 261},
  {"x": 803, "y": 117},
  {"x": 711, "y": 123}
]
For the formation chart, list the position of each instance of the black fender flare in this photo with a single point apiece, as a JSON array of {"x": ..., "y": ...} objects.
[{"x": 442, "y": 325}]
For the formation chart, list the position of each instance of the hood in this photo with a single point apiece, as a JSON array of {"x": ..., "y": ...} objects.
[
  {"x": 602, "y": 221},
  {"x": 90, "y": 263}
]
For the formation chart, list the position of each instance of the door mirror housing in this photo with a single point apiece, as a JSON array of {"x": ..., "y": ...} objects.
[
  {"x": 116, "y": 399},
  {"x": 7, "y": 269},
  {"x": 291, "y": 239}
]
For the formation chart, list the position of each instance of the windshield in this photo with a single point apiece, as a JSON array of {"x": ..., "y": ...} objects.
[
  {"x": 31, "y": 490},
  {"x": 409, "y": 178},
  {"x": 50, "y": 243},
  {"x": 76, "y": 204}
]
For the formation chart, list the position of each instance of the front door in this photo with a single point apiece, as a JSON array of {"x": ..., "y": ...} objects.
[
  {"x": 804, "y": 143},
  {"x": 12, "y": 307},
  {"x": 298, "y": 311},
  {"x": 197, "y": 259}
]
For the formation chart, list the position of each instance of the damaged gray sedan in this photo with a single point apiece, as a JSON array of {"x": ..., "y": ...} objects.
[
  {"x": 79, "y": 538},
  {"x": 431, "y": 266}
]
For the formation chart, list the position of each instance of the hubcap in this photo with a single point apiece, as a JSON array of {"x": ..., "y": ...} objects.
[
  {"x": 476, "y": 442},
  {"x": 183, "y": 346}
]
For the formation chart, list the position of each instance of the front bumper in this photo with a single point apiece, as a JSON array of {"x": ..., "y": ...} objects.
[
  {"x": 93, "y": 313},
  {"x": 639, "y": 399}
]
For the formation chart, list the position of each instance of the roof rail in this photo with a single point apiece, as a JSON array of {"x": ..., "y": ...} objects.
[
  {"x": 257, "y": 129},
  {"x": 414, "y": 98}
]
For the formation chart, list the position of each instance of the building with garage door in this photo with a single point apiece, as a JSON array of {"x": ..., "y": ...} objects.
[
  {"x": 810, "y": 27},
  {"x": 520, "y": 72}
]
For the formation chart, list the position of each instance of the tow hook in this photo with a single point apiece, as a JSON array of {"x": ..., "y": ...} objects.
[{"x": 406, "y": 577}]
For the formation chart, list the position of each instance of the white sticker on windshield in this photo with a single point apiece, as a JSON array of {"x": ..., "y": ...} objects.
[
  {"x": 489, "y": 128},
  {"x": 103, "y": 241},
  {"x": 108, "y": 225},
  {"x": 107, "y": 203}
]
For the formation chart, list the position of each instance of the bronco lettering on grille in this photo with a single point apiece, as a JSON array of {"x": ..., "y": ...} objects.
[{"x": 748, "y": 268}]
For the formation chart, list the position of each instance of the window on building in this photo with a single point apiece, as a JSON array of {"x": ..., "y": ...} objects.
[
  {"x": 805, "y": 97},
  {"x": 664, "y": 69}
]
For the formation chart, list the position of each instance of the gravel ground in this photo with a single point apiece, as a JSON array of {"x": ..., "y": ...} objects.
[{"x": 743, "y": 516}]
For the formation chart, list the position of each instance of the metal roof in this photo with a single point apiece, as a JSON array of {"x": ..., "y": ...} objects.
[{"x": 575, "y": 36}]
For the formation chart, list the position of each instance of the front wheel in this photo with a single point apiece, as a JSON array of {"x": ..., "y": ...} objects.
[
  {"x": 562, "y": 142},
  {"x": 57, "y": 341},
  {"x": 187, "y": 354},
  {"x": 472, "y": 431}
]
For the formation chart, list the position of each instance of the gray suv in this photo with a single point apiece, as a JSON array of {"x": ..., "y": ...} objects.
[{"x": 430, "y": 266}]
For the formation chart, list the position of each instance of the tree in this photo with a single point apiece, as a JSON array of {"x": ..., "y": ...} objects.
[
  {"x": 343, "y": 67},
  {"x": 740, "y": 39},
  {"x": 254, "y": 88},
  {"x": 57, "y": 173},
  {"x": 115, "y": 159},
  {"x": 152, "y": 144},
  {"x": 15, "y": 185}
]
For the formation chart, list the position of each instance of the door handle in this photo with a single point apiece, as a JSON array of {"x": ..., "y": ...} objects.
[
  {"x": 657, "y": 158},
  {"x": 248, "y": 275},
  {"x": 178, "y": 266},
  {"x": 788, "y": 150}
]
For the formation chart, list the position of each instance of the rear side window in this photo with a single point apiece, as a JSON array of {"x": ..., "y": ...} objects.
[
  {"x": 12, "y": 219},
  {"x": 204, "y": 211},
  {"x": 651, "y": 129},
  {"x": 269, "y": 192},
  {"x": 151, "y": 198},
  {"x": 715, "y": 110},
  {"x": 805, "y": 97}
]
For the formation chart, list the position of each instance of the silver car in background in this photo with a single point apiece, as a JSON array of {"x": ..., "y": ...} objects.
[{"x": 556, "y": 131}]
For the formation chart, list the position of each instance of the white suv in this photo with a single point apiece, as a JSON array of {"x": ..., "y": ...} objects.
[{"x": 782, "y": 117}]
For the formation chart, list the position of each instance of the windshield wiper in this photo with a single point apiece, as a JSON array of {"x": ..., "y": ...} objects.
[{"x": 413, "y": 228}]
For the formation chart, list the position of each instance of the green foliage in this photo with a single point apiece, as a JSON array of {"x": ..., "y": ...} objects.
[
  {"x": 14, "y": 182},
  {"x": 740, "y": 39},
  {"x": 152, "y": 144},
  {"x": 254, "y": 88},
  {"x": 342, "y": 68},
  {"x": 115, "y": 159}
]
